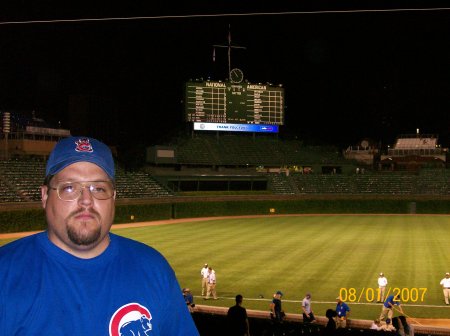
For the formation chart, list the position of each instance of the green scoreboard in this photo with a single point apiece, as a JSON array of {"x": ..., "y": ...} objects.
[{"x": 234, "y": 103}]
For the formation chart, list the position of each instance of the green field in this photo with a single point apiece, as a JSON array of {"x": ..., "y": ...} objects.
[{"x": 323, "y": 255}]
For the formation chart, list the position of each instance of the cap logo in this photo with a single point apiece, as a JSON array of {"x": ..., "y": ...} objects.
[{"x": 84, "y": 146}]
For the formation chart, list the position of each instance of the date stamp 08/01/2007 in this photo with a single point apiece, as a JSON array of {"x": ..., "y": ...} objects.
[{"x": 368, "y": 294}]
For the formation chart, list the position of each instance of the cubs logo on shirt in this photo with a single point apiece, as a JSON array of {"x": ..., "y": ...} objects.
[{"x": 131, "y": 320}]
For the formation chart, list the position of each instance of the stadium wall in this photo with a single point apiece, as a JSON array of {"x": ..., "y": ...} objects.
[{"x": 30, "y": 216}]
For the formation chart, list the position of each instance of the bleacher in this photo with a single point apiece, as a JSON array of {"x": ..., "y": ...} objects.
[
  {"x": 20, "y": 181},
  {"x": 281, "y": 184},
  {"x": 434, "y": 182},
  {"x": 138, "y": 185},
  {"x": 393, "y": 183},
  {"x": 233, "y": 150}
]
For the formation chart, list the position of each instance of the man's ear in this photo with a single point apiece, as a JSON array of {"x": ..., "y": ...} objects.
[{"x": 44, "y": 195}]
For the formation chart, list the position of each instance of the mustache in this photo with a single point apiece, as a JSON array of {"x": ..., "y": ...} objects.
[{"x": 93, "y": 212}]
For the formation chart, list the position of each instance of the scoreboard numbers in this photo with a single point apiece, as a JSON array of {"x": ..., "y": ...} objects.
[{"x": 225, "y": 102}]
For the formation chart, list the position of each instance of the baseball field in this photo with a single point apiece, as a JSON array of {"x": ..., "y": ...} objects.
[{"x": 326, "y": 256}]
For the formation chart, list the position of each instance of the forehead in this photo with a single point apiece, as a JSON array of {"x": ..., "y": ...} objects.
[{"x": 82, "y": 171}]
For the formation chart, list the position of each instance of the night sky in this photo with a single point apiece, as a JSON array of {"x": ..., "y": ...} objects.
[{"x": 347, "y": 76}]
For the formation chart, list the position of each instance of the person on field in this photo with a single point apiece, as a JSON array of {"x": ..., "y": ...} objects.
[
  {"x": 342, "y": 312},
  {"x": 204, "y": 276},
  {"x": 211, "y": 289},
  {"x": 445, "y": 283},
  {"x": 389, "y": 305},
  {"x": 382, "y": 283},
  {"x": 308, "y": 315},
  {"x": 77, "y": 278},
  {"x": 189, "y": 299}
]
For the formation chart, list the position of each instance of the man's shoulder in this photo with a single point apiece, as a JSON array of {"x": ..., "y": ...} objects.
[
  {"x": 20, "y": 246},
  {"x": 134, "y": 248}
]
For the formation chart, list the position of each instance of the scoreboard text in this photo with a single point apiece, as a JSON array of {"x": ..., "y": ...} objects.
[{"x": 225, "y": 102}]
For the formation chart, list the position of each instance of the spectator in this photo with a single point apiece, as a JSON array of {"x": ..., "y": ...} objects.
[
  {"x": 78, "y": 278},
  {"x": 237, "y": 319},
  {"x": 376, "y": 325},
  {"x": 397, "y": 324},
  {"x": 189, "y": 299},
  {"x": 276, "y": 313},
  {"x": 387, "y": 326},
  {"x": 204, "y": 275},
  {"x": 330, "y": 328},
  {"x": 405, "y": 324},
  {"x": 308, "y": 315},
  {"x": 343, "y": 311}
]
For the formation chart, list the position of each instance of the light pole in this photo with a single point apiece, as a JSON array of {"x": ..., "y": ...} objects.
[{"x": 6, "y": 130}]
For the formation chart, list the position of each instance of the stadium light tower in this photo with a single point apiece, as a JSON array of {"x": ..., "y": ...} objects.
[
  {"x": 6, "y": 130},
  {"x": 229, "y": 46}
]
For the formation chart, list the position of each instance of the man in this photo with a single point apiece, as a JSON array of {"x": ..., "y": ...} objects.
[
  {"x": 276, "y": 313},
  {"x": 445, "y": 283},
  {"x": 343, "y": 311},
  {"x": 308, "y": 315},
  {"x": 204, "y": 275},
  {"x": 382, "y": 283},
  {"x": 77, "y": 278},
  {"x": 189, "y": 299},
  {"x": 237, "y": 319},
  {"x": 388, "y": 326},
  {"x": 211, "y": 284},
  {"x": 388, "y": 307}
]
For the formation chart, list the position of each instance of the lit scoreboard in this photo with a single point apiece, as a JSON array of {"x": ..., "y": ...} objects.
[{"x": 210, "y": 104}]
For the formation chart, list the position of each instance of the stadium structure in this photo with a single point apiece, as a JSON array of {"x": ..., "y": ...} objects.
[
  {"x": 233, "y": 167},
  {"x": 235, "y": 162}
]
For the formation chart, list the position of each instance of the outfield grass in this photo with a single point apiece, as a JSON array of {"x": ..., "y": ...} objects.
[{"x": 317, "y": 254}]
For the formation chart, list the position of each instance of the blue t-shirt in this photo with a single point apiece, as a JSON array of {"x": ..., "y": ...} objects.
[
  {"x": 342, "y": 309},
  {"x": 390, "y": 299},
  {"x": 129, "y": 289}
]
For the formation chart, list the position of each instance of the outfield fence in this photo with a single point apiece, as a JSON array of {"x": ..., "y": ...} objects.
[{"x": 29, "y": 216}]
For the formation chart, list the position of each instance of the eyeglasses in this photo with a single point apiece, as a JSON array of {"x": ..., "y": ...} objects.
[{"x": 71, "y": 191}]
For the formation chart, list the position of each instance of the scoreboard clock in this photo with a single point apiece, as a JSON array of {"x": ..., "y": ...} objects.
[{"x": 236, "y": 76}]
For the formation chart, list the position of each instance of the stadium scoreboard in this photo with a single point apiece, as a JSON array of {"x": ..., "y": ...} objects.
[{"x": 216, "y": 102}]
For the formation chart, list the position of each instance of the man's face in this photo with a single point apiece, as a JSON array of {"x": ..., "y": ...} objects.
[{"x": 81, "y": 226}]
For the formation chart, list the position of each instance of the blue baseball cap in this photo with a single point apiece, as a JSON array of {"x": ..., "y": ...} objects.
[{"x": 80, "y": 149}]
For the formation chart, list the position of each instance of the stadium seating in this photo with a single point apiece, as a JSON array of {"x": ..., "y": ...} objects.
[
  {"x": 233, "y": 150},
  {"x": 392, "y": 183},
  {"x": 20, "y": 181}
]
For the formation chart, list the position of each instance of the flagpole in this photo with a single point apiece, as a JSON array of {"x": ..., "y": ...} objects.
[{"x": 229, "y": 50}]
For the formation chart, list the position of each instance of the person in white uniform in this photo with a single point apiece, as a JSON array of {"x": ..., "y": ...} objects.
[
  {"x": 445, "y": 283},
  {"x": 382, "y": 283},
  {"x": 204, "y": 275}
]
